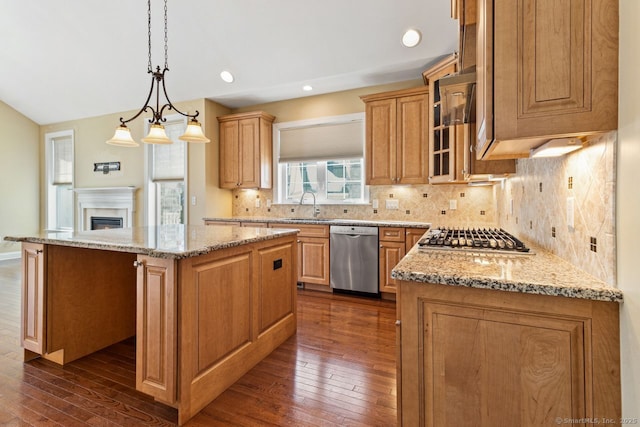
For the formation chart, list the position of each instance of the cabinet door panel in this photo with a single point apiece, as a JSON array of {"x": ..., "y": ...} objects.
[
  {"x": 390, "y": 255},
  {"x": 156, "y": 338},
  {"x": 380, "y": 153},
  {"x": 556, "y": 56},
  {"x": 32, "y": 325},
  {"x": 229, "y": 158},
  {"x": 480, "y": 358},
  {"x": 249, "y": 130},
  {"x": 412, "y": 139},
  {"x": 313, "y": 260}
]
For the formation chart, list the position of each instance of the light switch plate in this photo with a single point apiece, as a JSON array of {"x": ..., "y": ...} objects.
[
  {"x": 257, "y": 203},
  {"x": 570, "y": 212},
  {"x": 374, "y": 204},
  {"x": 194, "y": 201},
  {"x": 268, "y": 203},
  {"x": 392, "y": 204},
  {"x": 453, "y": 205}
]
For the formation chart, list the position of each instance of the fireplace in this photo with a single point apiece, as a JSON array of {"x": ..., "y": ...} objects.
[
  {"x": 114, "y": 207},
  {"x": 105, "y": 222}
]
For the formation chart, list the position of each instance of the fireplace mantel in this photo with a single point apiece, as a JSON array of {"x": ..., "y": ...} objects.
[{"x": 104, "y": 201}]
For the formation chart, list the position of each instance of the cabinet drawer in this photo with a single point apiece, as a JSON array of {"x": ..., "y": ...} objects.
[
  {"x": 306, "y": 230},
  {"x": 391, "y": 234}
]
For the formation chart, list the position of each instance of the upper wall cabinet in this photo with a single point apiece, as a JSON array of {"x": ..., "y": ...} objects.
[
  {"x": 396, "y": 137},
  {"x": 546, "y": 69},
  {"x": 246, "y": 150}
]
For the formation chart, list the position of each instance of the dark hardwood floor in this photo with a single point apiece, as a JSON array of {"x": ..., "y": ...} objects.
[{"x": 338, "y": 370}]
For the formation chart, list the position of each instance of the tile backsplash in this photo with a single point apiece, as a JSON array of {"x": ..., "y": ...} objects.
[
  {"x": 534, "y": 205},
  {"x": 474, "y": 206}
]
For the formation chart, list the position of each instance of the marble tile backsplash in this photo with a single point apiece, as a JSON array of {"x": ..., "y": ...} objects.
[
  {"x": 475, "y": 206},
  {"x": 533, "y": 205}
]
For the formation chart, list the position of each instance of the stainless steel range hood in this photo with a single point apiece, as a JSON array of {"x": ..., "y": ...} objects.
[{"x": 457, "y": 94}]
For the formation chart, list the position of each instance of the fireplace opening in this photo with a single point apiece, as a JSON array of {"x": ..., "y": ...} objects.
[{"x": 105, "y": 222}]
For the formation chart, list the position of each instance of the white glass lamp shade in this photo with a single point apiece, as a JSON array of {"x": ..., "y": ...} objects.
[
  {"x": 194, "y": 133},
  {"x": 122, "y": 138},
  {"x": 157, "y": 135}
]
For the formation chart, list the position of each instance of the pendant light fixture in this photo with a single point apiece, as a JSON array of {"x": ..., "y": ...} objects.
[{"x": 157, "y": 135}]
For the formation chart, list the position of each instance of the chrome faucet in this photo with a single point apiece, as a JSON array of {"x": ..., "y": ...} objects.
[{"x": 316, "y": 210}]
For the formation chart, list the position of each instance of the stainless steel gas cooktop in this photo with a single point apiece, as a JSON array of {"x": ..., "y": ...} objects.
[{"x": 475, "y": 239}]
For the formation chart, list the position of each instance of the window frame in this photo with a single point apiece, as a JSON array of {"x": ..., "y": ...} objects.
[
  {"x": 151, "y": 188},
  {"x": 51, "y": 201},
  {"x": 279, "y": 184}
]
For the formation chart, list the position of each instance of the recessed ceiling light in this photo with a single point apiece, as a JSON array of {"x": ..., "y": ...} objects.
[
  {"x": 226, "y": 76},
  {"x": 307, "y": 88},
  {"x": 411, "y": 38}
]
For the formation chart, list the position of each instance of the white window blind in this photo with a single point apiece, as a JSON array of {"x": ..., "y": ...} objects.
[
  {"x": 168, "y": 160},
  {"x": 322, "y": 142},
  {"x": 62, "y": 158}
]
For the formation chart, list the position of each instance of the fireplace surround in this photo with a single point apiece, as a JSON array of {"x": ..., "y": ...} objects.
[{"x": 105, "y": 202}]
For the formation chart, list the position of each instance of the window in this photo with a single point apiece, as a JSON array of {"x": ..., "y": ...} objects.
[
  {"x": 166, "y": 178},
  {"x": 332, "y": 181},
  {"x": 59, "y": 170},
  {"x": 324, "y": 156}
]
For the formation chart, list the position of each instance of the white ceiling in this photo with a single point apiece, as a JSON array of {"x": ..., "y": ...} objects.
[{"x": 70, "y": 59}]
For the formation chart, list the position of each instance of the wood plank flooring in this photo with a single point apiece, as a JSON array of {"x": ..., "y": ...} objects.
[{"x": 338, "y": 370}]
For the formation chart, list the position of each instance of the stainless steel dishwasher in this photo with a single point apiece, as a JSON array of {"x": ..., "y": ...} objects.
[{"x": 354, "y": 258}]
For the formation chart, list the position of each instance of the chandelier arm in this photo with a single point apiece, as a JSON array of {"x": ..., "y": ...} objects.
[
  {"x": 170, "y": 104},
  {"x": 145, "y": 107}
]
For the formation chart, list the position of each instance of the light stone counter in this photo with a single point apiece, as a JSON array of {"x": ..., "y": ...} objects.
[
  {"x": 324, "y": 221},
  {"x": 541, "y": 273},
  {"x": 166, "y": 241}
]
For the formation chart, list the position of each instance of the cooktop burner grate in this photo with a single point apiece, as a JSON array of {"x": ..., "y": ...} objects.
[{"x": 475, "y": 239}]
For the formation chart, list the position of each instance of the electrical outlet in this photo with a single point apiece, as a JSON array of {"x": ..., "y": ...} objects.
[
  {"x": 268, "y": 203},
  {"x": 392, "y": 204},
  {"x": 194, "y": 201},
  {"x": 257, "y": 203},
  {"x": 453, "y": 205},
  {"x": 374, "y": 204}
]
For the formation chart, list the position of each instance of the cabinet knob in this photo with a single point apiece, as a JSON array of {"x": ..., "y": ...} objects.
[
  {"x": 38, "y": 251},
  {"x": 298, "y": 241},
  {"x": 380, "y": 246},
  {"x": 137, "y": 264},
  {"x": 398, "y": 322}
]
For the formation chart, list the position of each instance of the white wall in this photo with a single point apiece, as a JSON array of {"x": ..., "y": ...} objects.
[
  {"x": 19, "y": 178},
  {"x": 628, "y": 202}
]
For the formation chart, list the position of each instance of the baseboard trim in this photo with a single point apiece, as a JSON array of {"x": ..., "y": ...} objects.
[{"x": 9, "y": 255}]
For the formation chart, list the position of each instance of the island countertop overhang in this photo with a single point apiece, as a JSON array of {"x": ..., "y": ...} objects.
[{"x": 175, "y": 241}]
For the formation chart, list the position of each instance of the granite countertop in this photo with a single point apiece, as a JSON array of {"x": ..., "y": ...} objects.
[
  {"x": 166, "y": 241},
  {"x": 541, "y": 273},
  {"x": 326, "y": 221}
]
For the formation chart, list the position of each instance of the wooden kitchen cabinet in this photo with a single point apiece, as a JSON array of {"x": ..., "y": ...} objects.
[
  {"x": 156, "y": 328},
  {"x": 465, "y": 352},
  {"x": 544, "y": 70},
  {"x": 246, "y": 150},
  {"x": 313, "y": 254},
  {"x": 395, "y": 242},
  {"x": 451, "y": 159},
  {"x": 396, "y": 137},
  {"x": 33, "y": 298},
  {"x": 412, "y": 236}
]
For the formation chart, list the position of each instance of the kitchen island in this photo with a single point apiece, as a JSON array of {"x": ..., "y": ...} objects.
[
  {"x": 492, "y": 339},
  {"x": 206, "y": 304}
]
